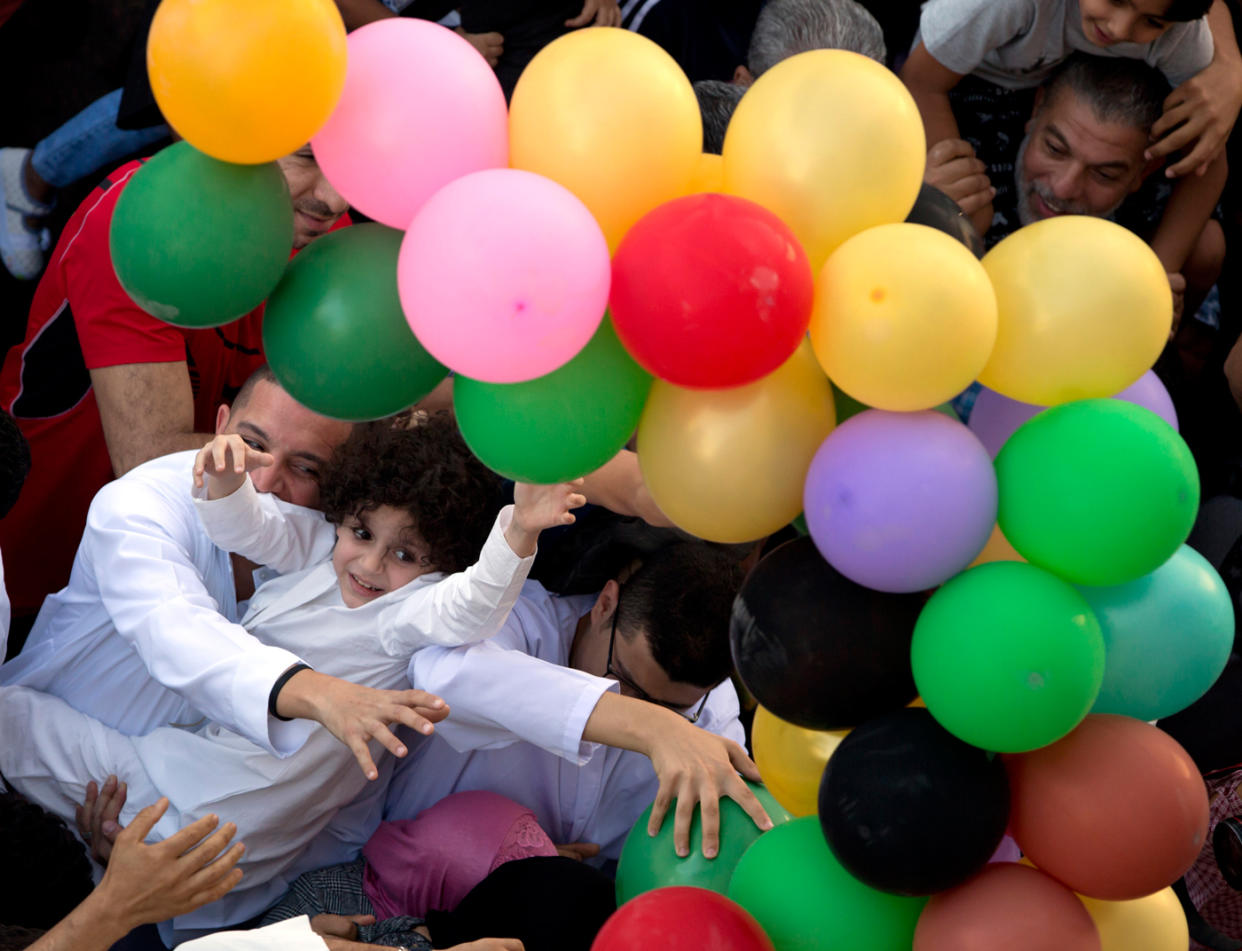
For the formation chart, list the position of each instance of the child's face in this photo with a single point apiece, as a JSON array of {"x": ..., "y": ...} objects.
[
  {"x": 1106, "y": 22},
  {"x": 377, "y": 552}
]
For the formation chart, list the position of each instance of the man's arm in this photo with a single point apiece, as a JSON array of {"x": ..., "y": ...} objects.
[
  {"x": 619, "y": 487},
  {"x": 147, "y": 410},
  {"x": 1188, "y": 210}
]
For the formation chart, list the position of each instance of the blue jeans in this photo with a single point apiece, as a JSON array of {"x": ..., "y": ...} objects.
[{"x": 88, "y": 142}]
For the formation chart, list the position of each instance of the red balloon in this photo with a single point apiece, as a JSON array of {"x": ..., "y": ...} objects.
[
  {"x": 1115, "y": 810},
  {"x": 711, "y": 291},
  {"x": 678, "y": 918},
  {"x": 1006, "y": 906}
]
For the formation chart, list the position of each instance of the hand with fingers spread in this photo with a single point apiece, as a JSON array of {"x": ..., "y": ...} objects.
[
  {"x": 597, "y": 13},
  {"x": 224, "y": 462},
  {"x": 1198, "y": 115},
  {"x": 536, "y": 507},
  {"x": 97, "y": 817},
  {"x": 355, "y": 714}
]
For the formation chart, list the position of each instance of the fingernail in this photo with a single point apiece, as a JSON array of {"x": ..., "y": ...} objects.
[
  {"x": 709, "y": 853},
  {"x": 683, "y": 853},
  {"x": 425, "y": 728},
  {"x": 768, "y": 824},
  {"x": 401, "y": 751}
]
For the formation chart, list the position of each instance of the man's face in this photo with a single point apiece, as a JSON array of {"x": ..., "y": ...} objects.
[
  {"x": 1071, "y": 163},
  {"x": 1106, "y": 22},
  {"x": 272, "y": 421},
  {"x": 639, "y": 675},
  {"x": 316, "y": 204}
]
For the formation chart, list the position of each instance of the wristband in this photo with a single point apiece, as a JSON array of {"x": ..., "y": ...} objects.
[{"x": 279, "y": 685}]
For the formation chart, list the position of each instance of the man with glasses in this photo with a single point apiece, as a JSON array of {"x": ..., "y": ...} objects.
[{"x": 587, "y": 708}]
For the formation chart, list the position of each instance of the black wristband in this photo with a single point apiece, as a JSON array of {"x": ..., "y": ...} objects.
[{"x": 280, "y": 683}]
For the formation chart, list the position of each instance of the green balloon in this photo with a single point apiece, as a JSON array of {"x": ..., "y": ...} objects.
[
  {"x": 1007, "y": 657},
  {"x": 649, "y": 862},
  {"x": 793, "y": 885},
  {"x": 561, "y": 425},
  {"x": 1099, "y": 492},
  {"x": 334, "y": 332},
  {"x": 197, "y": 242}
]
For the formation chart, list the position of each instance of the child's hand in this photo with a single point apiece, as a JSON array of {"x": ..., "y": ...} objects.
[
  {"x": 225, "y": 461},
  {"x": 491, "y": 46},
  {"x": 1200, "y": 112},
  {"x": 536, "y": 507}
]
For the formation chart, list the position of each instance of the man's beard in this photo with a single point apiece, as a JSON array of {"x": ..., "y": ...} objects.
[{"x": 1026, "y": 190}]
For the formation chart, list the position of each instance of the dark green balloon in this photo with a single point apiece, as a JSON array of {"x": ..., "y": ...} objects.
[
  {"x": 197, "y": 242},
  {"x": 649, "y": 862},
  {"x": 1099, "y": 492},
  {"x": 806, "y": 901},
  {"x": 334, "y": 332},
  {"x": 559, "y": 426}
]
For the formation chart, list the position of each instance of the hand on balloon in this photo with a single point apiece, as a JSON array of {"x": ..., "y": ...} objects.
[
  {"x": 1199, "y": 113},
  {"x": 1177, "y": 284},
  {"x": 597, "y": 13},
  {"x": 491, "y": 46},
  {"x": 953, "y": 168},
  {"x": 97, "y": 817},
  {"x": 225, "y": 461},
  {"x": 536, "y": 507}
]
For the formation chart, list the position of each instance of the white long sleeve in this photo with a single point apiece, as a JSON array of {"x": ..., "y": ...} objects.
[{"x": 268, "y": 531}]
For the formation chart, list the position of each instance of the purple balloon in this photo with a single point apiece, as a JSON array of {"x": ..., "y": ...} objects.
[
  {"x": 900, "y": 501},
  {"x": 994, "y": 418}
]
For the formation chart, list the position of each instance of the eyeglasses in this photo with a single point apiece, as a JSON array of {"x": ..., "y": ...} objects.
[{"x": 639, "y": 692}]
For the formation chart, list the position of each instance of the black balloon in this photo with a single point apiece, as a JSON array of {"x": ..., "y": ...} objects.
[
  {"x": 815, "y": 648},
  {"x": 909, "y": 808},
  {"x": 937, "y": 210}
]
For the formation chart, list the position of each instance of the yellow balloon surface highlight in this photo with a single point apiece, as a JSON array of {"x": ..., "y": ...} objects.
[
  {"x": 791, "y": 760},
  {"x": 1085, "y": 309},
  {"x": 830, "y": 141},
  {"x": 1155, "y": 922},
  {"x": 611, "y": 116},
  {"x": 708, "y": 175},
  {"x": 247, "y": 82},
  {"x": 729, "y": 465},
  {"x": 997, "y": 549},
  {"x": 904, "y": 317}
]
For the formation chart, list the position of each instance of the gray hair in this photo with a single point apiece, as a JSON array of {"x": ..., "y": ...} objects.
[
  {"x": 717, "y": 100},
  {"x": 788, "y": 27},
  {"x": 1125, "y": 91}
]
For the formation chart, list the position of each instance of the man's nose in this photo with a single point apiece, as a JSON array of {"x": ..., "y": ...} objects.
[
  {"x": 324, "y": 191},
  {"x": 271, "y": 479},
  {"x": 1067, "y": 183}
]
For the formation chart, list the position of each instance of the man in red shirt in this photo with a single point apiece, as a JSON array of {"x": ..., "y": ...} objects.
[{"x": 99, "y": 386}]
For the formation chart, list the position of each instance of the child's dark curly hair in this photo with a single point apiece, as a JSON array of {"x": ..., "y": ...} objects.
[
  {"x": 425, "y": 470},
  {"x": 49, "y": 873}
]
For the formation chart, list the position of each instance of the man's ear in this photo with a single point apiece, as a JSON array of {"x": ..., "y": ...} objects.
[
  {"x": 1150, "y": 166},
  {"x": 222, "y": 418},
  {"x": 605, "y": 604},
  {"x": 1040, "y": 93},
  {"x": 742, "y": 77}
]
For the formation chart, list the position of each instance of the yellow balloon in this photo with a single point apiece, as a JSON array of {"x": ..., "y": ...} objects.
[
  {"x": 830, "y": 141},
  {"x": 1155, "y": 922},
  {"x": 708, "y": 175},
  {"x": 791, "y": 760},
  {"x": 247, "y": 82},
  {"x": 997, "y": 549},
  {"x": 729, "y": 465},
  {"x": 1085, "y": 309},
  {"x": 904, "y": 317},
  {"x": 611, "y": 116}
]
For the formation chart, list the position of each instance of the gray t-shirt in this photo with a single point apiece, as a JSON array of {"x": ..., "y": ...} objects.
[{"x": 1018, "y": 43}]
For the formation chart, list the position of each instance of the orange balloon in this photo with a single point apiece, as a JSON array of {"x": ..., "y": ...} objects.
[
  {"x": 247, "y": 82},
  {"x": 791, "y": 760},
  {"x": 708, "y": 175},
  {"x": 997, "y": 549}
]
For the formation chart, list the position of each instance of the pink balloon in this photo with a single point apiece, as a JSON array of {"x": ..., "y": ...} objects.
[
  {"x": 420, "y": 108},
  {"x": 994, "y": 418},
  {"x": 503, "y": 275}
]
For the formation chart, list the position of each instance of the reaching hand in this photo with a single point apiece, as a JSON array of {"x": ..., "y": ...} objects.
[
  {"x": 536, "y": 507},
  {"x": 597, "y": 13},
  {"x": 355, "y": 714},
  {"x": 953, "y": 168},
  {"x": 1202, "y": 110},
  {"x": 225, "y": 461},
  {"x": 97, "y": 817},
  {"x": 491, "y": 46}
]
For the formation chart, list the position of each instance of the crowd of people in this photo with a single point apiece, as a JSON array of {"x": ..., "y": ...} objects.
[{"x": 263, "y": 664}]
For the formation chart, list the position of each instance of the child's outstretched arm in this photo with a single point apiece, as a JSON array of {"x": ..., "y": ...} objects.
[
  {"x": 536, "y": 507},
  {"x": 1201, "y": 111},
  {"x": 1187, "y": 212},
  {"x": 222, "y": 465}
]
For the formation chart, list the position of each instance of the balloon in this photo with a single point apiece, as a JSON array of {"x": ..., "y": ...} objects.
[
  {"x": 391, "y": 143},
  {"x": 805, "y": 901},
  {"x": 900, "y": 501},
  {"x": 937, "y": 210},
  {"x": 1153, "y": 923},
  {"x": 997, "y": 549},
  {"x": 710, "y": 291},
  {"x": 674, "y": 919},
  {"x": 649, "y": 862},
  {"x": 791, "y": 760},
  {"x": 197, "y": 242},
  {"x": 1099, "y": 492},
  {"x": 334, "y": 334},
  {"x": 1116, "y": 810},
  {"x": 1085, "y": 308},
  {"x": 904, "y": 317},
  {"x": 560, "y": 426},
  {"x": 611, "y": 116},
  {"x": 1006, "y": 906},
  {"x": 832, "y": 142},
  {"x": 816, "y": 649},
  {"x": 994, "y": 418},
  {"x": 1167, "y": 637},
  {"x": 728, "y": 465},
  {"x": 503, "y": 275},
  {"x": 909, "y": 809},
  {"x": 246, "y": 82},
  {"x": 1007, "y": 657},
  {"x": 708, "y": 175}
]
